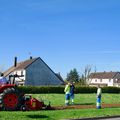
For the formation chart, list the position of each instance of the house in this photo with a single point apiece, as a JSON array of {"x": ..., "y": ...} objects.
[
  {"x": 33, "y": 71},
  {"x": 104, "y": 79}
]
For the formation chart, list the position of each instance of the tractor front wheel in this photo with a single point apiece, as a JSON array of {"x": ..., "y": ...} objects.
[{"x": 23, "y": 108}]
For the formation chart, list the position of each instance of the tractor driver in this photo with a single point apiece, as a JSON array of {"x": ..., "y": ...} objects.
[{"x": 3, "y": 80}]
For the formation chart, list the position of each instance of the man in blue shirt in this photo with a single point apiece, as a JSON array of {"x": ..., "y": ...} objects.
[
  {"x": 3, "y": 80},
  {"x": 72, "y": 91}
]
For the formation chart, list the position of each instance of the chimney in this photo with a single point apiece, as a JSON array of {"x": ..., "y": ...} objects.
[
  {"x": 15, "y": 62},
  {"x": 31, "y": 57}
]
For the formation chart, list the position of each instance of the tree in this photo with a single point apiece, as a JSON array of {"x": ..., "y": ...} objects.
[
  {"x": 86, "y": 73},
  {"x": 82, "y": 80},
  {"x": 73, "y": 76}
]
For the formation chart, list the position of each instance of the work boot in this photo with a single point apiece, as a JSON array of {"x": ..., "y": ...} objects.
[
  {"x": 66, "y": 104},
  {"x": 72, "y": 103}
]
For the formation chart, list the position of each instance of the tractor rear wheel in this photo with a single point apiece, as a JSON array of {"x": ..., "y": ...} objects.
[{"x": 10, "y": 99}]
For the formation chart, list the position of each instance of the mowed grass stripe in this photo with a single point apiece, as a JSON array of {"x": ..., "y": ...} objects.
[{"x": 57, "y": 100}]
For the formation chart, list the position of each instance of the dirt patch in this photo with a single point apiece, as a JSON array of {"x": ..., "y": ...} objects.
[{"x": 84, "y": 106}]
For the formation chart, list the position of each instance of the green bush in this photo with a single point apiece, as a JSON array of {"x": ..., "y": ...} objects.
[
  {"x": 80, "y": 89},
  {"x": 60, "y": 89},
  {"x": 111, "y": 89},
  {"x": 41, "y": 89}
]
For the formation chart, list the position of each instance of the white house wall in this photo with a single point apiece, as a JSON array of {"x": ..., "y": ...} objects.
[
  {"x": 109, "y": 82},
  {"x": 19, "y": 80},
  {"x": 39, "y": 74},
  {"x": 19, "y": 74}
]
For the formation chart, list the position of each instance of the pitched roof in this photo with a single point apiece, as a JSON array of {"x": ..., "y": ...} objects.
[
  {"x": 20, "y": 66},
  {"x": 53, "y": 71},
  {"x": 25, "y": 64},
  {"x": 59, "y": 76},
  {"x": 103, "y": 75}
]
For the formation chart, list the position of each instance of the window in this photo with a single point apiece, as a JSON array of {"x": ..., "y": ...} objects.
[
  {"x": 96, "y": 80},
  {"x": 109, "y": 80},
  {"x": 100, "y": 80}
]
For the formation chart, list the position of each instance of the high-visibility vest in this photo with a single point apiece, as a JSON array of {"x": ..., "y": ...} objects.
[
  {"x": 99, "y": 91},
  {"x": 67, "y": 89}
]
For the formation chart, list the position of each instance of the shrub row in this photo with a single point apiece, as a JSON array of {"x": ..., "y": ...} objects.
[
  {"x": 60, "y": 89},
  {"x": 111, "y": 90},
  {"x": 41, "y": 89}
]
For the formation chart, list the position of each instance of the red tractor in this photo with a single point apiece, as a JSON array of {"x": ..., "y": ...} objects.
[{"x": 11, "y": 99}]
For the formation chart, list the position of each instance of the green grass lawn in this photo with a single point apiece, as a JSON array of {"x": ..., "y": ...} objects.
[
  {"x": 59, "y": 114},
  {"x": 58, "y": 99}
]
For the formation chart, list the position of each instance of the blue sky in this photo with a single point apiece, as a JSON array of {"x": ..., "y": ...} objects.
[{"x": 66, "y": 34}]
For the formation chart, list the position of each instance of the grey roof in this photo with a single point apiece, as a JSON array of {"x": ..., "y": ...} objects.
[
  {"x": 24, "y": 64},
  {"x": 20, "y": 66},
  {"x": 103, "y": 75}
]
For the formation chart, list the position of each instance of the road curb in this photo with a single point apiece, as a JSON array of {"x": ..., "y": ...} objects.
[{"x": 95, "y": 118}]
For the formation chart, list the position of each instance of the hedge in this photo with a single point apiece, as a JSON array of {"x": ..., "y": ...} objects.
[{"x": 60, "y": 89}]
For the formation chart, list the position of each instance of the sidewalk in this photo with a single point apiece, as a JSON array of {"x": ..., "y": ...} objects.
[{"x": 99, "y": 118}]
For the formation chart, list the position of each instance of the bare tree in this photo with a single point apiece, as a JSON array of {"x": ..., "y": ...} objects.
[
  {"x": 86, "y": 72},
  {"x": 95, "y": 69}
]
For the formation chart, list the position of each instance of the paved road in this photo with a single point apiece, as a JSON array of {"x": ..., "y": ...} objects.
[{"x": 109, "y": 118}]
